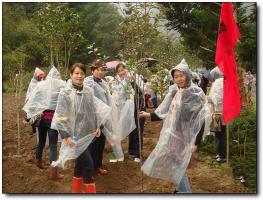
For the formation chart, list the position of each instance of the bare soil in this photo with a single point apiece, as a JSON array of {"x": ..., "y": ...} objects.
[{"x": 20, "y": 175}]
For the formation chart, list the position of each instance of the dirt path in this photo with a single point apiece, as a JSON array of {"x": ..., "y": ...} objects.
[{"x": 20, "y": 175}]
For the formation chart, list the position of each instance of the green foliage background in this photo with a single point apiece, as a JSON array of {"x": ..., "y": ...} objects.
[{"x": 243, "y": 147}]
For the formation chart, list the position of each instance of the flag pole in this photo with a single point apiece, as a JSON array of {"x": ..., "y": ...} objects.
[{"x": 227, "y": 144}]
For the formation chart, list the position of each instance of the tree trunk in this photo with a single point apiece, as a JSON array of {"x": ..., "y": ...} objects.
[
  {"x": 65, "y": 54},
  {"x": 69, "y": 54},
  {"x": 57, "y": 57},
  {"x": 51, "y": 55}
]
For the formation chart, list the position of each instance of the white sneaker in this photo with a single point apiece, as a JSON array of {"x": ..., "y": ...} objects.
[
  {"x": 217, "y": 156},
  {"x": 137, "y": 160},
  {"x": 113, "y": 160},
  {"x": 221, "y": 160},
  {"x": 121, "y": 159}
]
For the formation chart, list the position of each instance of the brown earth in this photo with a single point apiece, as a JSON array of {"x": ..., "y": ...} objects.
[{"x": 20, "y": 175}]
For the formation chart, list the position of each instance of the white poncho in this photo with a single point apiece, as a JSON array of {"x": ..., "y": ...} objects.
[
  {"x": 79, "y": 114},
  {"x": 45, "y": 95},
  {"x": 171, "y": 156},
  {"x": 33, "y": 83},
  {"x": 122, "y": 108}
]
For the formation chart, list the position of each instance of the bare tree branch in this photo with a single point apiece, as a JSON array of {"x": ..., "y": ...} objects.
[{"x": 206, "y": 49}]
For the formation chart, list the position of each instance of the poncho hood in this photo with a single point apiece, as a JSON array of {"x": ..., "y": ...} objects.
[{"x": 183, "y": 67}]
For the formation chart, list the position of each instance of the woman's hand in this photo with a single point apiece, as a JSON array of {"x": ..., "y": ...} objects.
[
  {"x": 194, "y": 148},
  {"x": 25, "y": 122},
  {"x": 97, "y": 133},
  {"x": 70, "y": 142},
  {"x": 143, "y": 114}
]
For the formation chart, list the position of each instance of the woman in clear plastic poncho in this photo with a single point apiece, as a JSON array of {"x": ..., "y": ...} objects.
[
  {"x": 183, "y": 114},
  {"x": 40, "y": 107},
  {"x": 78, "y": 118},
  {"x": 122, "y": 117},
  {"x": 214, "y": 111},
  {"x": 38, "y": 76}
]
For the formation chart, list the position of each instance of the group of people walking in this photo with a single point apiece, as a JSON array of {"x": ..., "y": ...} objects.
[{"x": 86, "y": 113}]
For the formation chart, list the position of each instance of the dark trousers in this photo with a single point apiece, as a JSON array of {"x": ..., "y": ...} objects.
[
  {"x": 84, "y": 166},
  {"x": 154, "y": 100},
  {"x": 53, "y": 139},
  {"x": 97, "y": 148},
  {"x": 200, "y": 135},
  {"x": 221, "y": 136},
  {"x": 134, "y": 148}
]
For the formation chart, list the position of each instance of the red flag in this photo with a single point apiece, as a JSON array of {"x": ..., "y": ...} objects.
[{"x": 228, "y": 34}]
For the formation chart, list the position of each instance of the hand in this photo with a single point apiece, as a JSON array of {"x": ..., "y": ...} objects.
[
  {"x": 194, "y": 149},
  {"x": 143, "y": 114},
  {"x": 25, "y": 122},
  {"x": 70, "y": 142},
  {"x": 97, "y": 133}
]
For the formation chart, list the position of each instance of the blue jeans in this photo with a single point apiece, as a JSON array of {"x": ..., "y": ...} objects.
[
  {"x": 53, "y": 139},
  {"x": 184, "y": 185}
]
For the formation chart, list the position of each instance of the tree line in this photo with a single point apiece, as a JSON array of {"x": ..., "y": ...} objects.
[{"x": 41, "y": 34}]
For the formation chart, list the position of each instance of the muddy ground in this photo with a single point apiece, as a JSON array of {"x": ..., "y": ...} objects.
[{"x": 20, "y": 175}]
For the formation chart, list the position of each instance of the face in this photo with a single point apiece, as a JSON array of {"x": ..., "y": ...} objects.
[
  {"x": 99, "y": 72},
  {"x": 179, "y": 79},
  {"x": 121, "y": 72},
  {"x": 77, "y": 76}
]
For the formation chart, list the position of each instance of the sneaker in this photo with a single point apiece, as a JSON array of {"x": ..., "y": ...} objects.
[
  {"x": 217, "y": 156},
  {"x": 131, "y": 157},
  {"x": 137, "y": 160},
  {"x": 221, "y": 160},
  {"x": 120, "y": 159},
  {"x": 113, "y": 160},
  {"x": 101, "y": 171}
]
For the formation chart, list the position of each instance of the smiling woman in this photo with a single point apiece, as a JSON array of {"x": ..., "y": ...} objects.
[
  {"x": 78, "y": 118},
  {"x": 183, "y": 113},
  {"x": 77, "y": 74}
]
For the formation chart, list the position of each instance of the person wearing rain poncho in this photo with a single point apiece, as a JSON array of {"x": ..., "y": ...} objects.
[
  {"x": 183, "y": 113},
  {"x": 214, "y": 119},
  {"x": 101, "y": 91},
  {"x": 40, "y": 107},
  {"x": 122, "y": 109},
  {"x": 78, "y": 118},
  {"x": 37, "y": 77}
]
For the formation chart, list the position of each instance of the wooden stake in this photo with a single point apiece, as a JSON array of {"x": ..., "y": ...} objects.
[{"x": 227, "y": 144}]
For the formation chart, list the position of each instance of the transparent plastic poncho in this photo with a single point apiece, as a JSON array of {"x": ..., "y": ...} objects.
[
  {"x": 45, "y": 95},
  {"x": 163, "y": 108},
  {"x": 122, "y": 108},
  {"x": 216, "y": 95},
  {"x": 171, "y": 156},
  {"x": 79, "y": 114},
  {"x": 101, "y": 91},
  {"x": 33, "y": 83},
  {"x": 216, "y": 73}
]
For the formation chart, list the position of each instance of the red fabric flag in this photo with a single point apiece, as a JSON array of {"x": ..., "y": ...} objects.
[{"x": 228, "y": 34}]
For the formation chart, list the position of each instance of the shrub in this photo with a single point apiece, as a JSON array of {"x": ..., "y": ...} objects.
[{"x": 243, "y": 147}]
